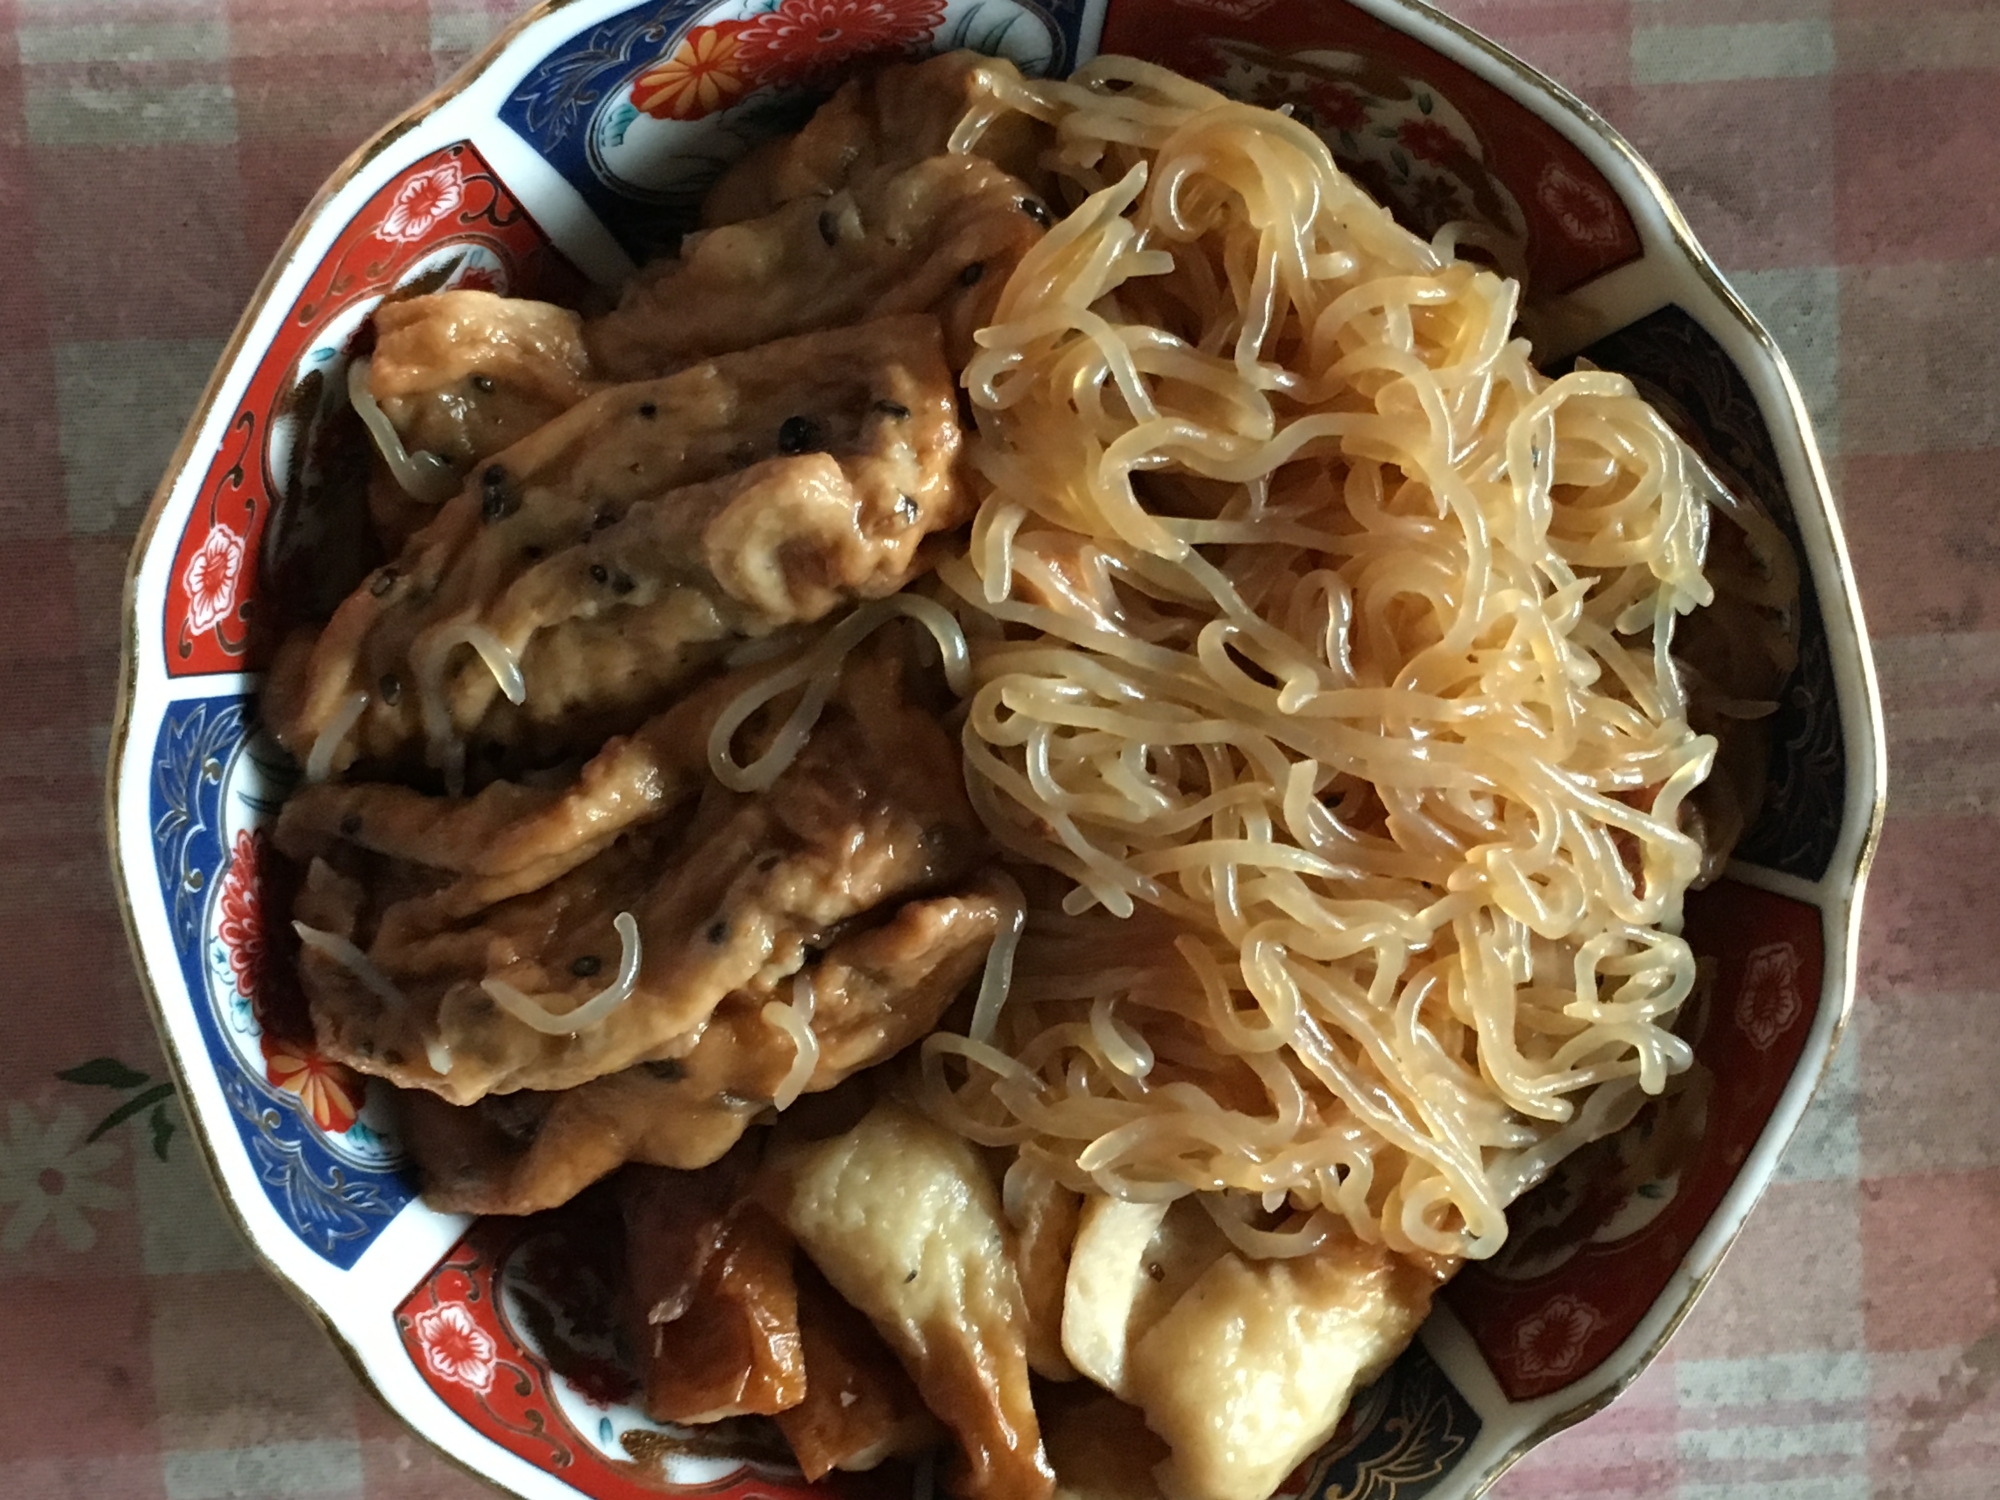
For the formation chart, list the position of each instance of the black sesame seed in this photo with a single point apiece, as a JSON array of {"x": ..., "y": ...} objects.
[
  {"x": 599, "y": 573},
  {"x": 350, "y": 825},
  {"x": 798, "y": 435},
  {"x": 829, "y": 227},
  {"x": 391, "y": 688},
  {"x": 894, "y": 409},
  {"x": 498, "y": 496},
  {"x": 909, "y": 1278},
  {"x": 648, "y": 410},
  {"x": 621, "y": 583},
  {"x": 1037, "y": 210},
  {"x": 971, "y": 274},
  {"x": 717, "y": 934},
  {"x": 384, "y": 581},
  {"x": 906, "y": 511},
  {"x": 483, "y": 384},
  {"x": 586, "y": 966}
]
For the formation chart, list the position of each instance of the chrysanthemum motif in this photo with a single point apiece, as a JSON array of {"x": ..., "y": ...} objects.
[
  {"x": 211, "y": 578},
  {"x": 330, "y": 1091},
  {"x": 455, "y": 1347},
  {"x": 242, "y": 925},
  {"x": 1548, "y": 1346},
  {"x": 707, "y": 71},
  {"x": 1585, "y": 212},
  {"x": 1769, "y": 1001},
  {"x": 802, "y": 37},
  {"x": 422, "y": 202},
  {"x": 48, "y": 1178}
]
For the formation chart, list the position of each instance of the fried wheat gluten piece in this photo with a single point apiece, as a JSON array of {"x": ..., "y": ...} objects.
[
  {"x": 940, "y": 236},
  {"x": 455, "y": 377},
  {"x": 904, "y": 1220},
  {"x": 464, "y": 374},
  {"x": 589, "y": 569},
  {"x": 890, "y": 117},
  {"x": 875, "y": 992},
  {"x": 860, "y": 1407},
  {"x": 715, "y": 1312},
  {"x": 735, "y": 896}
]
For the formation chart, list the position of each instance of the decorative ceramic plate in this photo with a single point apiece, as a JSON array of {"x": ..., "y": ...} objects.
[{"x": 581, "y": 140}]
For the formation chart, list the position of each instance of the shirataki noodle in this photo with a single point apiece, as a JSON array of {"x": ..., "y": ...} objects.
[{"x": 1323, "y": 644}]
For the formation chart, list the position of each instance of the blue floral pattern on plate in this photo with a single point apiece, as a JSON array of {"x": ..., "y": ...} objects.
[{"x": 336, "y": 1198}]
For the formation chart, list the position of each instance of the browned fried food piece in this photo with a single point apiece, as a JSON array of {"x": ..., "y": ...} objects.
[
  {"x": 464, "y": 374},
  {"x": 904, "y": 1220},
  {"x": 870, "y": 814},
  {"x": 860, "y": 1407},
  {"x": 617, "y": 549},
  {"x": 715, "y": 1311},
  {"x": 890, "y": 117},
  {"x": 876, "y": 992},
  {"x": 940, "y": 235}
]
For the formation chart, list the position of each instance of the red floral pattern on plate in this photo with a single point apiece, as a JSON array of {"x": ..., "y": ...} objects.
[
  {"x": 455, "y": 1348},
  {"x": 1427, "y": 140},
  {"x": 422, "y": 203},
  {"x": 1528, "y": 1319},
  {"x": 1336, "y": 107},
  {"x": 1548, "y": 1345},
  {"x": 1587, "y": 213},
  {"x": 330, "y": 1091},
  {"x": 211, "y": 621},
  {"x": 804, "y": 37},
  {"x": 501, "y": 1325},
  {"x": 709, "y": 70},
  {"x": 1770, "y": 1001},
  {"x": 242, "y": 925},
  {"x": 211, "y": 577}
]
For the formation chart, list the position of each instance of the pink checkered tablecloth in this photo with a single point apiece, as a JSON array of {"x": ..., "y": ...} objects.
[{"x": 1840, "y": 158}]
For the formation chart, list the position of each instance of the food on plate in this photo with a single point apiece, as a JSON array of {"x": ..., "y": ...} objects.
[{"x": 1050, "y": 747}]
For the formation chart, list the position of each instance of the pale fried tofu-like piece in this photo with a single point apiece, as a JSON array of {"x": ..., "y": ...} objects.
[
  {"x": 716, "y": 1309},
  {"x": 1044, "y": 1216},
  {"x": 860, "y": 1407},
  {"x": 1129, "y": 1263},
  {"x": 904, "y": 1219},
  {"x": 1251, "y": 1368}
]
